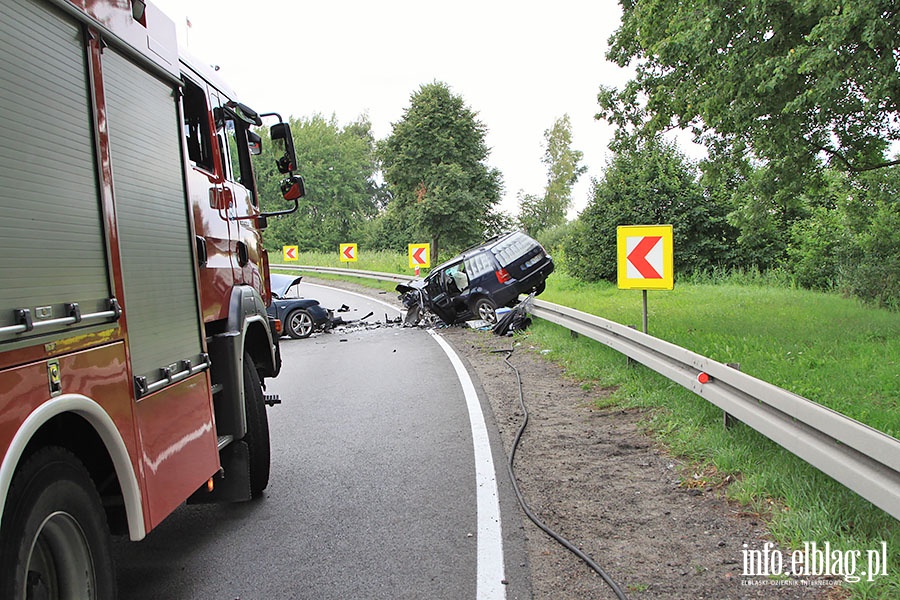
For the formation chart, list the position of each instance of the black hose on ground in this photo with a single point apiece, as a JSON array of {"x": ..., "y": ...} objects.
[{"x": 534, "y": 518}]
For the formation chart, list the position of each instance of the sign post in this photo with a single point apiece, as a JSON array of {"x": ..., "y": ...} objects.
[
  {"x": 291, "y": 253},
  {"x": 645, "y": 260},
  {"x": 419, "y": 256},
  {"x": 349, "y": 253}
]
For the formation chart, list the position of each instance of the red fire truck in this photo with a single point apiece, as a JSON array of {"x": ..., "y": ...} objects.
[{"x": 133, "y": 285}]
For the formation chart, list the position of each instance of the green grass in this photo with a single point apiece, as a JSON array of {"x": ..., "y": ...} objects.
[
  {"x": 824, "y": 347},
  {"x": 830, "y": 349},
  {"x": 380, "y": 261}
]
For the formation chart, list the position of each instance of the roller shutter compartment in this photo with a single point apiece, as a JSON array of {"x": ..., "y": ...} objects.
[
  {"x": 52, "y": 243},
  {"x": 155, "y": 238}
]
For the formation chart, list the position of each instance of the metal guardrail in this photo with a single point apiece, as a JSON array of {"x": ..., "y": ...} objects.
[
  {"x": 861, "y": 458},
  {"x": 864, "y": 459}
]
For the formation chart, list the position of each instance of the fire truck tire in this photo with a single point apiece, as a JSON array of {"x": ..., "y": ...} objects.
[
  {"x": 299, "y": 324},
  {"x": 55, "y": 540},
  {"x": 257, "y": 437}
]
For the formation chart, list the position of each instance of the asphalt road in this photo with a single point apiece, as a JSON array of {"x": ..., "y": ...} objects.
[{"x": 383, "y": 485}]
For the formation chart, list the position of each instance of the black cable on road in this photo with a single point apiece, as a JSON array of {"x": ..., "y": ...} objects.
[{"x": 534, "y": 518}]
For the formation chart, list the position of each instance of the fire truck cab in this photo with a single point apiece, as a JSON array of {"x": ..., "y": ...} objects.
[{"x": 134, "y": 340}]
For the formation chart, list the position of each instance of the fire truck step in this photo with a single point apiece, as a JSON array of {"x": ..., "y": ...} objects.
[
  {"x": 272, "y": 399},
  {"x": 224, "y": 440}
]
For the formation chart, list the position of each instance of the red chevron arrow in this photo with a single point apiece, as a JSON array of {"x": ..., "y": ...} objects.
[
  {"x": 417, "y": 256},
  {"x": 291, "y": 254},
  {"x": 348, "y": 252},
  {"x": 638, "y": 257}
]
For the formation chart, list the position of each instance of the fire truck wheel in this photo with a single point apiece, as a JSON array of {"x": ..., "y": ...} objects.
[
  {"x": 55, "y": 540},
  {"x": 257, "y": 437},
  {"x": 299, "y": 324}
]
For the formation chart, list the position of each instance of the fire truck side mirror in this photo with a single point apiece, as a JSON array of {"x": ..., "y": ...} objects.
[
  {"x": 284, "y": 146},
  {"x": 292, "y": 188}
]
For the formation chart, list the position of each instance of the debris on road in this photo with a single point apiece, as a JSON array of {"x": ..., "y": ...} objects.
[{"x": 516, "y": 319}]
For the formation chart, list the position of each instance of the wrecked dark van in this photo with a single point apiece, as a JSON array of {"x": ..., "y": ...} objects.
[{"x": 475, "y": 283}]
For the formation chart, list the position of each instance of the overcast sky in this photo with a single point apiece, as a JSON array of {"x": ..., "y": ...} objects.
[{"x": 519, "y": 65}]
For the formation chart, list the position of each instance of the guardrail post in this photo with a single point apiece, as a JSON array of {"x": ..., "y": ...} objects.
[
  {"x": 644, "y": 298},
  {"x": 630, "y": 362},
  {"x": 728, "y": 420}
]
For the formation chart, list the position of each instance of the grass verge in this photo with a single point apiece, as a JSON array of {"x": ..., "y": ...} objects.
[
  {"x": 827, "y": 348},
  {"x": 380, "y": 261}
]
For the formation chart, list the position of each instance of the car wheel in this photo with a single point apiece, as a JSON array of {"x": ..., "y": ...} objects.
[
  {"x": 486, "y": 310},
  {"x": 299, "y": 324},
  {"x": 257, "y": 437},
  {"x": 55, "y": 539}
]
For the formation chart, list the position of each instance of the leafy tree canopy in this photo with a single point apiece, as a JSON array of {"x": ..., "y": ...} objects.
[
  {"x": 787, "y": 80},
  {"x": 338, "y": 165},
  {"x": 649, "y": 182},
  {"x": 563, "y": 170},
  {"x": 434, "y": 162}
]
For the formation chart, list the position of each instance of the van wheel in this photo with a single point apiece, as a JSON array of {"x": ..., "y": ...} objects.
[
  {"x": 55, "y": 540},
  {"x": 486, "y": 310},
  {"x": 299, "y": 324},
  {"x": 257, "y": 436}
]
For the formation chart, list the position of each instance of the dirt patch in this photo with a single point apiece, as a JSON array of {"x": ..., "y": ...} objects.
[{"x": 597, "y": 479}]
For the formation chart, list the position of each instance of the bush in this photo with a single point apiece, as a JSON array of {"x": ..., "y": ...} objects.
[
  {"x": 872, "y": 265},
  {"x": 649, "y": 183},
  {"x": 813, "y": 253}
]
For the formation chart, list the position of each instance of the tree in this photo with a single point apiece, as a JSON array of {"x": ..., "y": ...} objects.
[
  {"x": 648, "y": 182},
  {"x": 434, "y": 163},
  {"x": 532, "y": 212},
  {"x": 338, "y": 165},
  {"x": 850, "y": 240},
  {"x": 790, "y": 81},
  {"x": 563, "y": 170}
]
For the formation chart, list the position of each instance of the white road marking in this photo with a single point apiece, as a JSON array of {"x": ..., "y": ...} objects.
[{"x": 490, "y": 570}]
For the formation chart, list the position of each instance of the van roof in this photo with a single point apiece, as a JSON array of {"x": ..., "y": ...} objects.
[{"x": 478, "y": 248}]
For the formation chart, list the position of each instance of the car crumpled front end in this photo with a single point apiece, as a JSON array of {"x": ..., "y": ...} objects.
[{"x": 414, "y": 300}]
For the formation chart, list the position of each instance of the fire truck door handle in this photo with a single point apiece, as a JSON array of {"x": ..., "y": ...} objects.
[
  {"x": 202, "y": 253},
  {"x": 243, "y": 254}
]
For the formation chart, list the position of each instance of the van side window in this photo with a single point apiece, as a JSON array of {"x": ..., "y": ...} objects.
[
  {"x": 196, "y": 127},
  {"x": 478, "y": 265},
  {"x": 457, "y": 280}
]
